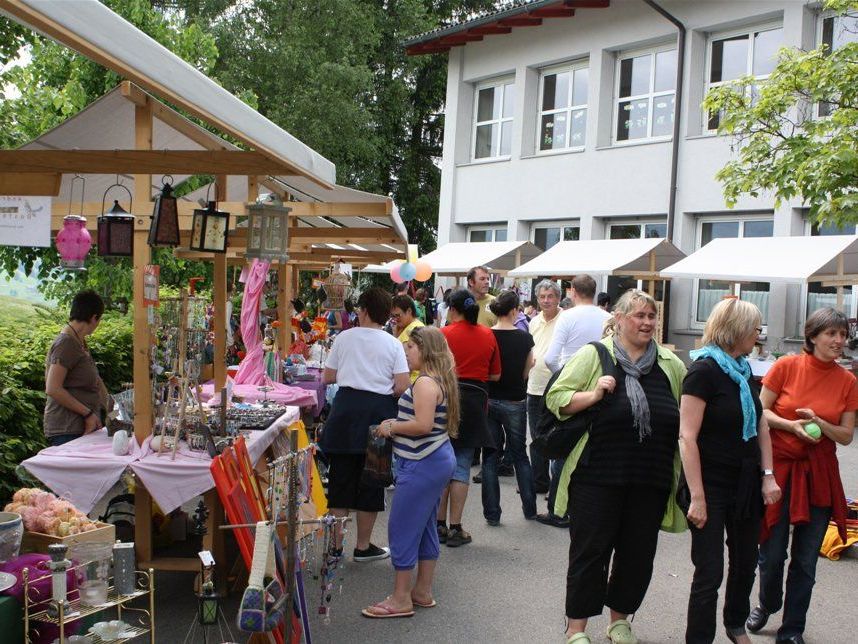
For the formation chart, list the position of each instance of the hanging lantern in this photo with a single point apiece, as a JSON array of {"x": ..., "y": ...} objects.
[
  {"x": 209, "y": 229},
  {"x": 74, "y": 241},
  {"x": 337, "y": 286},
  {"x": 268, "y": 230},
  {"x": 116, "y": 227},
  {"x": 209, "y": 604},
  {"x": 164, "y": 230}
]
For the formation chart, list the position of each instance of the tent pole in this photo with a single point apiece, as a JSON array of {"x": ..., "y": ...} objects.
[
  {"x": 652, "y": 270},
  {"x": 219, "y": 303}
]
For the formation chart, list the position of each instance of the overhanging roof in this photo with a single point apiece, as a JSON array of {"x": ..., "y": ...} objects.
[
  {"x": 91, "y": 28},
  {"x": 457, "y": 258},
  {"x": 796, "y": 260},
  {"x": 601, "y": 257},
  {"x": 519, "y": 13}
]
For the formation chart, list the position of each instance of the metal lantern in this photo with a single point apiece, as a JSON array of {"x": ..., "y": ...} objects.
[
  {"x": 164, "y": 230},
  {"x": 268, "y": 230},
  {"x": 116, "y": 228},
  {"x": 209, "y": 229},
  {"x": 74, "y": 241}
]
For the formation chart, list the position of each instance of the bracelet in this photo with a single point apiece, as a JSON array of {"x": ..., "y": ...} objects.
[
  {"x": 390, "y": 428},
  {"x": 768, "y": 472}
]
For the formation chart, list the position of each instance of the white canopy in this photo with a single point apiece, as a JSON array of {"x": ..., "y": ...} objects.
[
  {"x": 92, "y": 29},
  {"x": 457, "y": 258},
  {"x": 601, "y": 257},
  {"x": 794, "y": 260}
]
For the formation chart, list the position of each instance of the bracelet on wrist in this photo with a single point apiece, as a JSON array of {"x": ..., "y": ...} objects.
[{"x": 766, "y": 472}]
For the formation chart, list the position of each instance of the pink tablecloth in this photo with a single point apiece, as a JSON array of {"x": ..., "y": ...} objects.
[
  {"x": 281, "y": 394},
  {"x": 84, "y": 469}
]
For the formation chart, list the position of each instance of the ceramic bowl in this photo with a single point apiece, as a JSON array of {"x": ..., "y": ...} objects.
[{"x": 11, "y": 533}]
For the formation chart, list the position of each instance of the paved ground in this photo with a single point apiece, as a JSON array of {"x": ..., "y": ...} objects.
[{"x": 508, "y": 587}]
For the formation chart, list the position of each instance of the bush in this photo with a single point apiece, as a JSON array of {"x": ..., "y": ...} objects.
[{"x": 21, "y": 431}]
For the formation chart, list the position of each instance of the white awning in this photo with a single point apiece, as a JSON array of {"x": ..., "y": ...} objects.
[
  {"x": 457, "y": 258},
  {"x": 91, "y": 28},
  {"x": 794, "y": 260},
  {"x": 600, "y": 257}
]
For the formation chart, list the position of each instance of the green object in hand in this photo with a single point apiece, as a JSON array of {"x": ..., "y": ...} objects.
[{"x": 812, "y": 430}]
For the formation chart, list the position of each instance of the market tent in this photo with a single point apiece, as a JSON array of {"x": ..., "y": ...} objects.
[
  {"x": 91, "y": 28},
  {"x": 796, "y": 260},
  {"x": 639, "y": 257},
  {"x": 457, "y": 258}
]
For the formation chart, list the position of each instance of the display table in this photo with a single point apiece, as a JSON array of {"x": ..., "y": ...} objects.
[
  {"x": 281, "y": 394},
  {"x": 315, "y": 385}
]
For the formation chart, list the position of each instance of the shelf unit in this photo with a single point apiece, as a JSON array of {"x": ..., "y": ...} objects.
[{"x": 36, "y": 607}]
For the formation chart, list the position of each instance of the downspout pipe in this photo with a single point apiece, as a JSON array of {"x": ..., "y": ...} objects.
[{"x": 677, "y": 112}]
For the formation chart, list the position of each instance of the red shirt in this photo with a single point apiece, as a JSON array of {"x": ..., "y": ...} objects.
[
  {"x": 475, "y": 349},
  {"x": 811, "y": 470}
]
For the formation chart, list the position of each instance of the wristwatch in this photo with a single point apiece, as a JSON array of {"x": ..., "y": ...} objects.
[{"x": 768, "y": 472}]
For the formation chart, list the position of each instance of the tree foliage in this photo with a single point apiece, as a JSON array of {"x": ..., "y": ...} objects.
[{"x": 784, "y": 142}]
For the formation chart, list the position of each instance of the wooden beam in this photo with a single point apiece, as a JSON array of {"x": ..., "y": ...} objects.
[
  {"x": 489, "y": 30},
  {"x": 460, "y": 39},
  {"x": 26, "y": 184},
  {"x": 346, "y": 255},
  {"x": 339, "y": 235},
  {"x": 588, "y": 4},
  {"x": 521, "y": 21},
  {"x": 239, "y": 162},
  {"x": 284, "y": 307},
  {"x": 553, "y": 12},
  {"x": 186, "y": 211}
]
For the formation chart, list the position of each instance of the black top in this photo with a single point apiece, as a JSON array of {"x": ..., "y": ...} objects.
[
  {"x": 722, "y": 449},
  {"x": 514, "y": 345},
  {"x": 615, "y": 456}
]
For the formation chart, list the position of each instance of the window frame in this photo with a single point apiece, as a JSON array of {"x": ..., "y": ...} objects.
[
  {"x": 820, "y": 23},
  {"x": 711, "y": 38},
  {"x": 615, "y": 119},
  {"x": 571, "y": 67},
  {"x": 698, "y": 239},
  {"x": 500, "y": 82},
  {"x": 493, "y": 229},
  {"x": 562, "y": 224}
]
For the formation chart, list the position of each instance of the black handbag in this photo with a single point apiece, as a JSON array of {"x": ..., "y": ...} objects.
[
  {"x": 556, "y": 438},
  {"x": 378, "y": 461}
]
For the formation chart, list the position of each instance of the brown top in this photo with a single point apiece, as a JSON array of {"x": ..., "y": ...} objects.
[{"x": 82, "y": 382}]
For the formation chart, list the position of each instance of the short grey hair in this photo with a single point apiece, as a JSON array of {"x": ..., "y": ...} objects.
[{"x": 547, "y": 284}]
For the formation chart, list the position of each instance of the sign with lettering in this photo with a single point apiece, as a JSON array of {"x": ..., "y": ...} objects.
[{"x": 25, "y": 221}]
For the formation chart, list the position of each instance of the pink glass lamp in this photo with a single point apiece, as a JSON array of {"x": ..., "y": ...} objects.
[{"x": 74, "y": 241}]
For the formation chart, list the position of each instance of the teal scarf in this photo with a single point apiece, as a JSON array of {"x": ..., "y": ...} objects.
[{"x": 739, "y": 371}]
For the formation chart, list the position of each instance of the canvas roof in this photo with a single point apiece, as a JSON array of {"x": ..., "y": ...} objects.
[
  {"x": 459, "y": 257},
  {"x": 600, "y": 257},
  {"x": 91, "y": 28},
  {"x": 794, "y": 260}
]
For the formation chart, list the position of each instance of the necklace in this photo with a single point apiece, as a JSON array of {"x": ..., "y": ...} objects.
[{"x": 82, "y": 342}]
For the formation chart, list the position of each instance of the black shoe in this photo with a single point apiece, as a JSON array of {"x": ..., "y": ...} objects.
[
  {"x": 442, "y": 533},
  {"x": 733, "y": 633},
  {"x": 477, "y": 478},
  {"x": 553, "y": 519},
  {"x": 757, "y": 619},
  {"x": 795, "y": 639},
  {"x": 505, "y": 469},
  {"x": 457, "y": 537},
  {"x": 540, "y": 490},
  {"x": 493, "y": 522},
  {"x": 372, "y": 553}
]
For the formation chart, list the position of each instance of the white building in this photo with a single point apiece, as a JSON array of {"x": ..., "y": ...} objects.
[{"x": 560, "y": 126}]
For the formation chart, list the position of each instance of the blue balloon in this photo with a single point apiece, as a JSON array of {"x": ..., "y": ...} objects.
[{"x": 407, "y": 271}]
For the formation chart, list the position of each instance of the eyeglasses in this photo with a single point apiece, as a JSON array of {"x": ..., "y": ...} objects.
[
  {"x": 395, "y": 316},
  {"x": 759, "y": 330}
]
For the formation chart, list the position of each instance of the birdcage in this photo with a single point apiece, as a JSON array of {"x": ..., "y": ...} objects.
[{"x": 338, "y": 286}]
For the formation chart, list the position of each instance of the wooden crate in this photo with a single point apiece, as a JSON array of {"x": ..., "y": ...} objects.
[{"x": 39, "y": 542}]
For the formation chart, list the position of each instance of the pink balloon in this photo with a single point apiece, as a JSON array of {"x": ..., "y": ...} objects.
[{"x": 394, "y": 274}]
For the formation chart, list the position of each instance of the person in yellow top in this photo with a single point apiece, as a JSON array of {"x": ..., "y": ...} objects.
[
  {"x": 479, "y": 280},
  {"x": 405, "y": 320}
]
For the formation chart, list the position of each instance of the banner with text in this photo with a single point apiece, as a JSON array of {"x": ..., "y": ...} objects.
[{"x": 25, "y": 221}]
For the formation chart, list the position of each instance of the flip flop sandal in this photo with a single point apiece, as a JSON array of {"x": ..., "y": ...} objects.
[
  {"x": 384, "y": 612},
  {"x": 620, "y": 632},
  {"x": 579, "y": 638},
  {"x": 431, "y": 604}
]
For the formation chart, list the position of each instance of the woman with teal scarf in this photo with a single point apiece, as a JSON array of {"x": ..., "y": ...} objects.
[{"x": 727, "y": 460}]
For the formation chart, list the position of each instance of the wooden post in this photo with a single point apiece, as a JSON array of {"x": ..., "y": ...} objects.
[
  {"x": 219, "y": 301},
  {"x": 142, "y": 257},
  {"x": 284, "y": 297},
  {"x": 652, "y": 270}
]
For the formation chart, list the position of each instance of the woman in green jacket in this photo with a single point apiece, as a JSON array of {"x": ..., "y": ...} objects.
[{"x": 620, "y": 476}]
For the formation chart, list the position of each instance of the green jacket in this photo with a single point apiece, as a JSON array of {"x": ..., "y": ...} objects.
[{"x": 581, "y": 374}]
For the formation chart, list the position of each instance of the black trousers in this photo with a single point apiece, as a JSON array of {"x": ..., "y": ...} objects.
[
  {"x": 707, "y": 555},
  {"x": 622, "y": 522}
]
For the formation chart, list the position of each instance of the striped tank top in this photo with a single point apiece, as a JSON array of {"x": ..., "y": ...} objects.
[{"x": 417, "y": 447}]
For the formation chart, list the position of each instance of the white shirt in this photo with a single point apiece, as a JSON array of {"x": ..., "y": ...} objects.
[
  {"x": 367, "y": 359},
  {"x": 442, "y": 313},
  {"x": 575, "y": 327},
  {"x": 542, "y": 331}
]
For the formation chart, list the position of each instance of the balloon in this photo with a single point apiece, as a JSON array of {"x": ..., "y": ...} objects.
[
  {"x": 408, "y": 271},
  {"x": 424, "y": 271},
  {"x": 395, "y": 274}
]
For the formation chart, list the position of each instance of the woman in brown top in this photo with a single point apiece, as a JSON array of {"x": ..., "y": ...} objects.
[{"x": 76, "y": 395}]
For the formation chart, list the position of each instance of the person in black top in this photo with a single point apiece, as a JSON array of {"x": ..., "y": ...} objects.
[
  {"x": 727, "y": 458},
  {"x": 508, "y": 410}
]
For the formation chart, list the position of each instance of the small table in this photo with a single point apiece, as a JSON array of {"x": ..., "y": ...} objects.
[{"x": 315, "y": 385}]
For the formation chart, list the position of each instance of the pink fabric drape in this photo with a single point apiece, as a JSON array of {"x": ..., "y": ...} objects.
[{"x": 252, "y": 369}]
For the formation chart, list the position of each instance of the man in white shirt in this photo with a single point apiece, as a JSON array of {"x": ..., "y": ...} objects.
[{"x": 576, "y": 326}]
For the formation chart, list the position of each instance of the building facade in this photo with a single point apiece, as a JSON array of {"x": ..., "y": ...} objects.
[{"x": 562, "y": 127}]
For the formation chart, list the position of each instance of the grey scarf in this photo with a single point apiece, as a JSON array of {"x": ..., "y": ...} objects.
[{"x": 634, "y": 391}]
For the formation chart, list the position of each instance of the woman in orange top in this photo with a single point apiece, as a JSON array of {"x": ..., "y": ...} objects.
[{"x": 798, "y": 392}]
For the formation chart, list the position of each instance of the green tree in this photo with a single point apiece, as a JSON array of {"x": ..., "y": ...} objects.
[{"x": 796, "y": 135}]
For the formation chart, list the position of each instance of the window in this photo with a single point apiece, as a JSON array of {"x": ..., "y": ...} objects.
[
  {"x": 819, "y": 296},
  {"x": 495, "y": 105},
  {"x": 619, "y": 284},
  {"x": 744, "y": 54},
  {"x": 546, "y": 236},
  {"x": 646, "y": 92},
  {"x": 563, "y": 107},
  {"x": 836, "y": 32},
  {"x": 710, "y": 292},
  {"x": 486, "y": 234}
]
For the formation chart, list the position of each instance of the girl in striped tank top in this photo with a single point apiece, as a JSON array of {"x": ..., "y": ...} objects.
[{"x": 428, "y": 416}]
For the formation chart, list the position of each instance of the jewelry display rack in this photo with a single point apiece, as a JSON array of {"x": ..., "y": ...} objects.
[{"x": 45, "y": 610}]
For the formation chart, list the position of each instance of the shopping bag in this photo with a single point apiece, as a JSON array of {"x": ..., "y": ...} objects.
[{"x": 377, "y": 470}]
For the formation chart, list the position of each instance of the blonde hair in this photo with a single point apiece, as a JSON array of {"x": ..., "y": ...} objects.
[
  {"x": 437, "y": 362},
  {"x": 628, "y": 302},
  {"x": 729, "y": 321}
]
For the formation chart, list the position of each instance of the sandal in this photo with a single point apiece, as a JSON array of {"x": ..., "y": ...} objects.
[
  {"x": 382, "y": 611},
  {"x": 442, "y": 533},
  {"x": 430, "y": 604},
  {"x": 579, "y": 638},
  {"x": 620, "y": 632}
]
